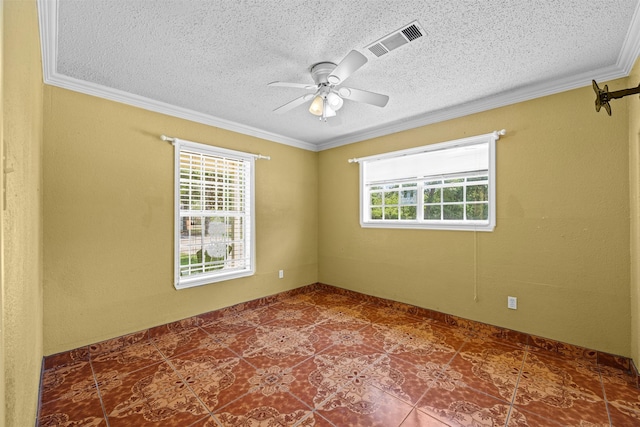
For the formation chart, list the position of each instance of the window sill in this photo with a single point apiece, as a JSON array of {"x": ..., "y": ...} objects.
[
  {"x": 450, "y": 226},
  {"x": 191, "y": 282}
]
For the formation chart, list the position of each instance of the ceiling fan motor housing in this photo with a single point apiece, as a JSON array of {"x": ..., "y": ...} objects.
[
  {"x": 320, "y": 72},
  {"x": 329, "y": 94}
]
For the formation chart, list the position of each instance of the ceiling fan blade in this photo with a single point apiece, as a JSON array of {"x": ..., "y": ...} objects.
[
  {"x": 367, "y": 97},
  {"x": 353, "y": 61},
  {"x": 293, "y": 104},
  {"x": 296, "y": 85}
]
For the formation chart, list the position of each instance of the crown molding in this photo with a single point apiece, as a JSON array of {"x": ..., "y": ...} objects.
[
  {"x": 48, "y": 21},
  {"x": 626, "y": 59},
  {"x": 500, "y": 100},
  {"x": 123, "y": 97},
  {"x": 631, "y": 45}
]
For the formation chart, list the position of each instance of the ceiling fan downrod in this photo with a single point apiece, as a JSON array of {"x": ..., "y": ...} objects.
[{"x": 603, "y": 96}]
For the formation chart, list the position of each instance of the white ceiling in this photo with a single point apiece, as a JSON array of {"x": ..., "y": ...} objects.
[{"x": 210, "y": 60}]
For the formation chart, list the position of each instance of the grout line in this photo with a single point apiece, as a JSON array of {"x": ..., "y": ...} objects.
[
  {"x": 321, "y": 289},
  {"x": 211, "y": 417},
  {"x": 207, "y": 417},
  {"x": 413, "y": 408},
  {"x": 604, "y": 396},
  {"x": 321, "y": 326},
  {"x": 95, "y": 381},
  {"x": 311, "y": 414},
  {"x": 515, "y": 390},
  {"x": 186, "y": 383}
]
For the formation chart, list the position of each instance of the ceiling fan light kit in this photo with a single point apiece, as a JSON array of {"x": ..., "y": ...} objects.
[
  {"x": 321, "y": 106},
  {"x": 317, "y": 106},
  {"x": 329, "y": 96},
  {"x": 334, "y": 101}
]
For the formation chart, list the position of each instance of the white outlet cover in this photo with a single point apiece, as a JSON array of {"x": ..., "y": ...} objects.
[{"x": 512, "y": 303}]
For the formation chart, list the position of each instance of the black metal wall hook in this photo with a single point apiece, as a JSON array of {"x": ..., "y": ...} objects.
[{"x": 603, "y": 95}]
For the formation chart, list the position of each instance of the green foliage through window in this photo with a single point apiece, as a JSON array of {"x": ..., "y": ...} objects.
[
  {"x": 462, "y": 198},
  {"x": 399, "y": 204},
  {"x": 442, "y": 186}
]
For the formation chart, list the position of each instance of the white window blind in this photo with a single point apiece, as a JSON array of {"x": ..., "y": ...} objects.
[
  {"x": 444, "y": 161},
  {"x": 449, "y": 186},
  {"x": 214, "y": 229}
]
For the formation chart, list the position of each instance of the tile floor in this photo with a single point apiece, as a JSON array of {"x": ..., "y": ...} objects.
[{"x": 328, "y": 358}]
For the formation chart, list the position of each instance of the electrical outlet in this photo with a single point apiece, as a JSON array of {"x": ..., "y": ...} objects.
[
  {"x": 512, "y": 303},
  {"x": 281, "y": 274}
]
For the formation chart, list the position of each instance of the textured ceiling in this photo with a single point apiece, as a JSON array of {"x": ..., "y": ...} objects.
[{"x": 210, "y": 61}]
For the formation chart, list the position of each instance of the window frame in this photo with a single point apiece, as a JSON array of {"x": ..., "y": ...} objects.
[
  {"x": 487, "y": 225},
  {"x": 185, "y": 282}
]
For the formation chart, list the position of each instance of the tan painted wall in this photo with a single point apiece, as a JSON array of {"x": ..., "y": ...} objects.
[
  {"x": 22, "y": 219},
  {"x": 108, "y": 220},
  {"x": 561, "y": 244},
  {"x": 2, "y": 186},
  {"x": 634, "y": 197}
]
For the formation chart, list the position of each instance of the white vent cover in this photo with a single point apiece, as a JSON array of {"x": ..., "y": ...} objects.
[{"x": 396, "y": 39}]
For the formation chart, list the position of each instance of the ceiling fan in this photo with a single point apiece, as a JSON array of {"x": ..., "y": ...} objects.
[{"x": 328, "y": 92}]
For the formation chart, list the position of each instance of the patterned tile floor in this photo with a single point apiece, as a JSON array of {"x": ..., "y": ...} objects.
[{"x": 327, "y": 359}]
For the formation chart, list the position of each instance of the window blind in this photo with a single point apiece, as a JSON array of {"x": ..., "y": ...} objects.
[
  {"x": 431, "y": 163},
  {"x": 214, "y": 212}
]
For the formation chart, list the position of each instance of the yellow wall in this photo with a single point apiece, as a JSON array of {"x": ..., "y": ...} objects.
[
  {"x": 2, "y": 186},
  {"x": 22, "y": 220},
  {"x": 108, "y": 220},
  {"x": 568, "y": 182},
  {"x": 634, "y": 197},
  {"x": 561, "y": 244}
]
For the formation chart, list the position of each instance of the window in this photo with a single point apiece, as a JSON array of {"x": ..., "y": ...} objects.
[
  {"x": 449, "y": 186},
  {"x": 214, "y": 229}
]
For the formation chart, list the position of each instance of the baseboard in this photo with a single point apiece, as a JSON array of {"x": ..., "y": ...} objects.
[
  {"x": 481, "y": 329},
  {"x": 496, "y": 332}
]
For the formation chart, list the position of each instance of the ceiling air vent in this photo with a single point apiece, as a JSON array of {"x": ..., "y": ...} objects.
[
  {"x": 412, "y": 32},
  {"x": 396, "y": 39}
]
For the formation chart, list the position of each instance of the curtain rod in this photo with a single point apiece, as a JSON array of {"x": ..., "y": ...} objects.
[{"x": 171, "y": 140}]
